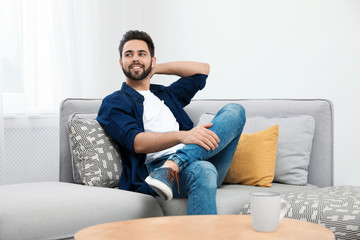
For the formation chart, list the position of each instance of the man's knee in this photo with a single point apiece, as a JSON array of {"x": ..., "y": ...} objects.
[{"x": 237, "y": 113}]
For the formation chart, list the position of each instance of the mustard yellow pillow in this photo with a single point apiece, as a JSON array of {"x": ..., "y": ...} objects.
[{"x": 254, "y": 159}]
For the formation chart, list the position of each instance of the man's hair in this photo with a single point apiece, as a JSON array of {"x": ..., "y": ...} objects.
[{"x": 137, "y": 35}]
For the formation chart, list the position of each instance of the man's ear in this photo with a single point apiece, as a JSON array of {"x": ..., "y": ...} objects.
[
  {"x": 153, "y": 60},
  {"x": 120, "y": 62}
]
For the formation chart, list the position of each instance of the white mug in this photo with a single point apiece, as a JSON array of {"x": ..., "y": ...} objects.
[{"x": 267, "y": 209}]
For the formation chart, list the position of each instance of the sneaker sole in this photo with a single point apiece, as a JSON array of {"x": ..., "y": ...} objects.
[{"x": 160, "y": 188}]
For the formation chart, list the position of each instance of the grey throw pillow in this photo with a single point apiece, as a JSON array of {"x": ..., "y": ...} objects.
[
  {"x": 293, "y": 148},
  {"x": 95, "y": 154}
]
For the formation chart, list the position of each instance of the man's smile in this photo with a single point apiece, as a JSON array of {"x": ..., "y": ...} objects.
[{"x": 136, "y": 66}]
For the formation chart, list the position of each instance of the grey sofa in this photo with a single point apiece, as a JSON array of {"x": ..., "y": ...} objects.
[{"x": 57, "y": 210}]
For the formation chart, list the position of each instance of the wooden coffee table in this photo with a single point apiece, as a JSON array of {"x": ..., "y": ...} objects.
[{"x": 202, "y": 227}]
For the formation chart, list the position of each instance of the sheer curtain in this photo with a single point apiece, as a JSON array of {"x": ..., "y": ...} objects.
[
  {"x": 48, "y": 58},
  {"x": 43, "y": 60}
]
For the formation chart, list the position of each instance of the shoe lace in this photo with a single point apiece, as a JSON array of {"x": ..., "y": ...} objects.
[{"x": 171, "y": 176}]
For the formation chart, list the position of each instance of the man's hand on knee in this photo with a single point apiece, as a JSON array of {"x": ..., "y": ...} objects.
[{"x": 202, "y": 136}]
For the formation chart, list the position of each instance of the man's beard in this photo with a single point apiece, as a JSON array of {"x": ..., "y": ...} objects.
[{"x": 138, "y": 76}]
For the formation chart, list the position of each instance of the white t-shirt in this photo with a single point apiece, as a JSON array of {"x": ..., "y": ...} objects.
[{"x": 157, "y": 117}]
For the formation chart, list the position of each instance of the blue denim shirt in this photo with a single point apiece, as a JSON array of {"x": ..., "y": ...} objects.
[{"x": 121, "y": 115}]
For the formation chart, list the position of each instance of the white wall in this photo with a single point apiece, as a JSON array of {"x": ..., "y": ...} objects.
[{"x": 257, "y": 49}]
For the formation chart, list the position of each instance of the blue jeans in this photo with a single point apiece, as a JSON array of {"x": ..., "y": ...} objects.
[{"x": 202, "y": 171}]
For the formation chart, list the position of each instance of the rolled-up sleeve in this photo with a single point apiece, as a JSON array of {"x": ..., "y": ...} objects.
[
  {"x": 185, "y": 88},
  {"x": 120, "y": 122}
]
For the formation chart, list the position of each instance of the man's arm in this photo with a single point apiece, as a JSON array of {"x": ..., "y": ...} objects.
[
  {"x": 148, "y": 142},
  {"x": 182, "y": 68}
]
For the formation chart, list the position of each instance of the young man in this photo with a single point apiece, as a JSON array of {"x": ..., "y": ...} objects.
[{"x": 158, "y": 143}]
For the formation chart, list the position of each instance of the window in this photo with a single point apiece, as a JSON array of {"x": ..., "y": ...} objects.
[{"x": 11, "y": 57}]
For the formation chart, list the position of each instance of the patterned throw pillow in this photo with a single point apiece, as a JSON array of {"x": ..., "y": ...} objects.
[
  {"x": 337, "y": 208},
  {"x": 95, "y": 154}
]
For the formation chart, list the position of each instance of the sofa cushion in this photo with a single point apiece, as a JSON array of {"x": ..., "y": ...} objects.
[
  {"x": 254, "y": 159},
  {"x": 54, "y": 210},
  {"x": 95, "y": 155},
  {"x": 294, "y": 144},
  {"x": 230, "y": 198}
]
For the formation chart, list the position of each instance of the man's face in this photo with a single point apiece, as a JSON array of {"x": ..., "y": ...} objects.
[{"x": 136, "y": 60}]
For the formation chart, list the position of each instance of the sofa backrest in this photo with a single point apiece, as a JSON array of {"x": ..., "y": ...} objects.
[{"x": 321, "y": 159}]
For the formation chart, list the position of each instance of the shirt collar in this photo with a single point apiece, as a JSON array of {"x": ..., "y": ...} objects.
[
  {"x": 132, "y": 92},
  {"x": 135, "y": 94}
]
